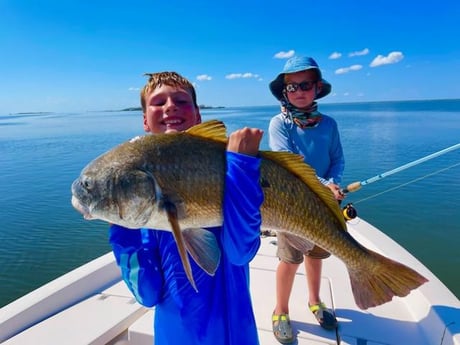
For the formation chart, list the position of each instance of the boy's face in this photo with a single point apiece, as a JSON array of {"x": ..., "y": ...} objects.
[
  {"x": 170, "y": 109},
  {"x": 299, "y": 98}
]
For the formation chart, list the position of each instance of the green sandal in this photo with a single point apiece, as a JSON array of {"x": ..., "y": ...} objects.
[
  {"x": 282, "y": 329},
  {"x": 324, "y": 316}
]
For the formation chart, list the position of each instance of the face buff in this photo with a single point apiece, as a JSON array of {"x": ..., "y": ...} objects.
[{"x": 304, "y": 119}]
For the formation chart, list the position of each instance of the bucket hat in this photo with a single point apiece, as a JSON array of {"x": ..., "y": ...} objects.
[{"x": 297, "y": 64}]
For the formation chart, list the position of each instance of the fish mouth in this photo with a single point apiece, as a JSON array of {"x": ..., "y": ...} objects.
[
  {"x": 76, "y": 201},
  {"x": 84, "y": 210}
]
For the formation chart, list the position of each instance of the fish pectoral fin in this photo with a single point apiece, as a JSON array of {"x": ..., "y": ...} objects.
[
  {"x": 171, "y": 212},
  {"x": 202, "y": 246},
  {"x": 169, "y": 198},
  {"x": 299, "y": 243}
]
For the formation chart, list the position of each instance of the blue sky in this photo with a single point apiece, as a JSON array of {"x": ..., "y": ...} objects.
[{"x": 90, "y": 55}]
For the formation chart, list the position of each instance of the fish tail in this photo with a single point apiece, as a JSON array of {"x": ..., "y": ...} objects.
[{"x": 380, "y": 283}]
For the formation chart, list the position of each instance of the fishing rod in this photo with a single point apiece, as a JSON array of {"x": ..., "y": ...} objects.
[
  {"x": 349, "y": 212},
  {"x": 353, "y": 187}
]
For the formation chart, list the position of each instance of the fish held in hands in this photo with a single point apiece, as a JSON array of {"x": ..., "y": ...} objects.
[{"x": 175, "y": 182}]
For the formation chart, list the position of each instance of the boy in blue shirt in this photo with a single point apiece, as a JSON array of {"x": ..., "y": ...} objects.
[
  {"x": 302, "y": 129},
  {"x": 221, "y": 311}
]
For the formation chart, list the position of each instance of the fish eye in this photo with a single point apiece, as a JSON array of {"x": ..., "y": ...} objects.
[{"x": 87, "y": 183}]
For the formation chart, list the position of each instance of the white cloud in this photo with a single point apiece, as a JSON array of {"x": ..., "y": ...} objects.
[
  {"x": 242, "y": 75},
  {"x": 344, "y": 70},
  {"x": 134, "y": 89},
  {"x": 203, "y": 77},
  {"x": 284, "y": 55},
  {"x": 365, "y": 51},
  {"x": 393, "y": 57},
  {"x": 335, "y": 55}
]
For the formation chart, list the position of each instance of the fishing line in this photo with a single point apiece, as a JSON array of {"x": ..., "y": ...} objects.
[{"x": 407, "y": 183}]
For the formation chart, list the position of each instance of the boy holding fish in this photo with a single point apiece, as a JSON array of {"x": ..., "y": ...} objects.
[
  {"x": 188, "y": 180},
  {"x": 218, "y": 309},
  {"x": 302, "y": 129}
]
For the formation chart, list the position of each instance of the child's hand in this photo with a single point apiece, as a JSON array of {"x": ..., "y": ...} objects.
[
  {"x": 336, "y": 190},
  {"x": 245, "y": 141}
]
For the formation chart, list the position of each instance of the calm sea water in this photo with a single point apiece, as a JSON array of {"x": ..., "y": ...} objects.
[{"x": 42, "y": 236}]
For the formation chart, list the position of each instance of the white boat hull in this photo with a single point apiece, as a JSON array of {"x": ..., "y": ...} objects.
[{"x": 91, "y": 305}]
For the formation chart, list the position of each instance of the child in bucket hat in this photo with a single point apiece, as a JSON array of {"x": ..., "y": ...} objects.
[
  {"x": 298, "y": 64},
  {"x": 282, "y": 90},
  {"x": 302, "y": 129}
]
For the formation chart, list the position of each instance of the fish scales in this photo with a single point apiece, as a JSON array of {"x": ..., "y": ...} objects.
[
  {"x": 195, "y": 178},
  {"x": 178, "y": 184}
]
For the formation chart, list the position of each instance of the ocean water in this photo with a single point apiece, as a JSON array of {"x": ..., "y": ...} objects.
[{"x": 42, "y": 236}]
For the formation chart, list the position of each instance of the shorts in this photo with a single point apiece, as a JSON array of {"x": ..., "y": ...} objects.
[{"x": 289, "y": 254}]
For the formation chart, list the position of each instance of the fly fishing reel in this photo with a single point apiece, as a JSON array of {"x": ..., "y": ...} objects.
[{"x": 349, "y": 212}]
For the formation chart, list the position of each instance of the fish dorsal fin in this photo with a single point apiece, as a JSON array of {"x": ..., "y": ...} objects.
[
  {"x": 294, "y": 163},
  {"x": 213, "y": 129}
]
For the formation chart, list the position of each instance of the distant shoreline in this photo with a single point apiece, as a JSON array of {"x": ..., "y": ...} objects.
[
  {"x": 34, "y": 112},
  {"x": 345, "y": 104},
  {"x": 202, "y": 106}
]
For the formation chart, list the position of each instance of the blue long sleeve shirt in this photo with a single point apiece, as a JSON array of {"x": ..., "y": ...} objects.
[
  {"x": 221, "y": 311},
  {"x": 320, "y": 146}
]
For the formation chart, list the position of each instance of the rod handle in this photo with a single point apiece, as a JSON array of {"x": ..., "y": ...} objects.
[{"x": 352, "y": 187}]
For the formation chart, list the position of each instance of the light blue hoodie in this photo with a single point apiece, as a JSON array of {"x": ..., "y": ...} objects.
[{"x": 320, "y": 146}]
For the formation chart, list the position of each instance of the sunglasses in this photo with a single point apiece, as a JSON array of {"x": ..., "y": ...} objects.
[{"x": 304, "y": 86}]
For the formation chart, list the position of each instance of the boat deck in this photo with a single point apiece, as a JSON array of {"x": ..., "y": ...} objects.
[{"x": 429, "y": 315}]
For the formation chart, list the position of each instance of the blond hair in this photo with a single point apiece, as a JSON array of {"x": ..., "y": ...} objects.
[{"x": 166, "y": 78}]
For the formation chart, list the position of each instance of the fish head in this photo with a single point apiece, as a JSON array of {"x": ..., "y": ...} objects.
[{"x": 117, "y": 187}]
